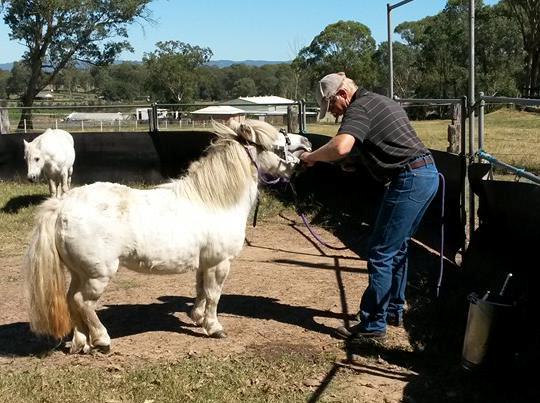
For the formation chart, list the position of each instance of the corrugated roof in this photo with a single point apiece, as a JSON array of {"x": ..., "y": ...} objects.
[
  {"x": 104, "y": 116},
  {"x": 268, "y": 99},
  {"x": 219, "y": 110}
]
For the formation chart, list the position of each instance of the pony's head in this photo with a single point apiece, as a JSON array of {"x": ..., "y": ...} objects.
[
  {"x": 274, "y": 152},
  {"x": 34, "y": 160}
]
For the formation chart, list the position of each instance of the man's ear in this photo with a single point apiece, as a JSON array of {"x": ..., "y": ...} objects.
[{"x": 342, "y": 92}]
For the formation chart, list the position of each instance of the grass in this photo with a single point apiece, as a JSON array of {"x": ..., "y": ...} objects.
[
  {"x": 198, "y": 379},
  {"x": 17, "y": 208},
  {"x": 510, "y": 136}
]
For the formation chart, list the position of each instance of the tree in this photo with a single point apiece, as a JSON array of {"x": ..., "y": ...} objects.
[
  {"x": 124, "y": 82},
  {"x": 59, "y": 32},
  {"x": 4, "y": 77},
  {"x": 527, "y": 15},
  {"x": 244, "y": 87},
  {"x": 343, "y": 46},
  {"x": 16, "y": 83},
  {"x": 406, "y": 74},
  {"x": 172, "y": 70},
  {"x": 442, "y": 60}
]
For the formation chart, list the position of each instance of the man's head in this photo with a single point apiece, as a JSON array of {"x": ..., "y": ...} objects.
[{"x": 327, "y": 88}]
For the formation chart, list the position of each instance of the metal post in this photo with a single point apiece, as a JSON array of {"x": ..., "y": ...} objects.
[
  {"x": 465, "y": 190},
  {"x": 389, "y": 9},
  {"x": 481, "y": 113},
  {"x": 472, "y": 211},
  {"x": 390, "y": 52}
]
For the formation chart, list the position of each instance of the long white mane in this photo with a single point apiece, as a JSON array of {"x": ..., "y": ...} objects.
[{"x": 220, "y": 178}]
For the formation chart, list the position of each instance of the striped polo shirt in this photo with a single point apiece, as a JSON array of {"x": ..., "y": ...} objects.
[{"x": 386, "y": 141}]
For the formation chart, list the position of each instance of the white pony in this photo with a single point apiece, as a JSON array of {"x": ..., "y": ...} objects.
[
  {"x": 51, "y": 155},
  {"x": 194, "y": 223}
]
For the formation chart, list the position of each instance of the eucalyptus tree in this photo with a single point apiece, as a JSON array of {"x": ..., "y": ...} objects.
[
  {"x": 172, "y": 70},
  {"x": 343, "y": 46},
  {"x": 57, "y": 33},
  {"x": 440, "y": 43},
  {"x": 527, "y": 15},
  {"x": 407, "y": 77}
]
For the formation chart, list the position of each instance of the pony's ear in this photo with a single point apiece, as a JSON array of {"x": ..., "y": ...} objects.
[
  {"x": 247, "y": 132},
  {"x": 25, "y": 144}
]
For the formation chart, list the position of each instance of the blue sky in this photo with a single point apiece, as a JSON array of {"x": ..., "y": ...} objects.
[{"x": 252, "y": 29}]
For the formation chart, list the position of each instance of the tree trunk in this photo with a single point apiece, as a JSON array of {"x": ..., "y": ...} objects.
[{"x": 25, "y": 122}]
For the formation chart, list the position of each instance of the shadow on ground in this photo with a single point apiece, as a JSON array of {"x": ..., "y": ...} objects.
[
  {"x": 436, "y": 324},
  {"x": 19, "y": 202}
]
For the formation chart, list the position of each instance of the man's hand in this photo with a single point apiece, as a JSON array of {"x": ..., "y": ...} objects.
[{"x": 304, "y": 157}]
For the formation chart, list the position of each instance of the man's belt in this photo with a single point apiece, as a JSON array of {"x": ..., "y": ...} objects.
[{"x": 420, "y": 162}]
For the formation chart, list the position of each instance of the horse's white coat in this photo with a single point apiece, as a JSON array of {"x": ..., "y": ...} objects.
[
  {"x": 194, "y": 223},
  {"x": 51, "y": 155}
]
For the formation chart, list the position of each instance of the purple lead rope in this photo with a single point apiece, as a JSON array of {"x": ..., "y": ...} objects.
[{"x": 441, "y": 268}]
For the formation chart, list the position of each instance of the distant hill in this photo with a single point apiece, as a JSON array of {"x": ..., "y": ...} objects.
[{"x": 216, "y": 63}]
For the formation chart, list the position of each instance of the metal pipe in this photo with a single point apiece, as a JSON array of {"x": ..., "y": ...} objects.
[
  {"x": 472, "y": 89},
  {"x": 390, "y": 55},
  {"x": 465, "y": 186},
  {"x": 510, "y": 100},
  {"x": 481, "y": 113},
  {"x": 518, "y": 171},
  {"x": 389, "y": 9},
  {"x": 434, "y": 101}
]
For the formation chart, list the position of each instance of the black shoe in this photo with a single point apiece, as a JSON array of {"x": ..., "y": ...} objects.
[
  {"x": 354, "y": 331},
  {"x": 394, "y": 320}
]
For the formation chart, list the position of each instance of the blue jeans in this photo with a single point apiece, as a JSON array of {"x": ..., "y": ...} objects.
[{"x": 403, "y": 205}]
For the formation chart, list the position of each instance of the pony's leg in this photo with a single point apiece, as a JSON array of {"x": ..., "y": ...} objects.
[
  {"x": 86, "y": 301},
  {"x": 70, "y": 174},
  {"x": 65, "y": 181},
  {"x": 214, "y": 278},
  {"x": 52, "y": 187},
  {"x": 79, "y": 342},
  {"x": 197, "y": 313}
]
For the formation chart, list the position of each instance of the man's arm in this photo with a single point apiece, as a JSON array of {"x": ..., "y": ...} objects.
[{"x": 337, "y": 148}]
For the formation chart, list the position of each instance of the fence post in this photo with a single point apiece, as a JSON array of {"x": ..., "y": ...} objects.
[
  {"x": 292, "y": 118},
  {"x": 4, "y": 121},
  {"x": 454, "y": 130},
  {"x": 25, "y": 125},
  {"x": 302, "y": 116}
]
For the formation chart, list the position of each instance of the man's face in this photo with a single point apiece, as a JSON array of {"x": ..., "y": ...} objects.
[{"x": 338, "y": 103}]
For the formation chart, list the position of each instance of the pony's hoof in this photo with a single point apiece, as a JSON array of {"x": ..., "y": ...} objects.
[
  {"x": 220, "y": 334},
  {"x": 73, "y": 348},
  {"x": 102, "y": 349}
]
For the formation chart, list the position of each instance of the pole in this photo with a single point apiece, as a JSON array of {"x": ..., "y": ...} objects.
[
  {"x": 389, "y": 9},
  {"x": 472, "y": 212},
  {"x": 390, "y": 54},
  {"x": 481, "y": 114}
]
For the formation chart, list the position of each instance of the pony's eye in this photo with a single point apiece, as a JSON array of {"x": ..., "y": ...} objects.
[{"x": 36, "y": 159}]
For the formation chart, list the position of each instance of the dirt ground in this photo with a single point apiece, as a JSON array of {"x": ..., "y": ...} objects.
[{"x": 284, "y": 294}]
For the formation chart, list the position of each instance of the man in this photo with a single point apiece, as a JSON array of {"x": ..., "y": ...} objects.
[{"x": 376, "y": 130}]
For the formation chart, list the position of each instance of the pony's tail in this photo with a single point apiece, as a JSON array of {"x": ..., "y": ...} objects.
[{"x": 45, "y": 277}]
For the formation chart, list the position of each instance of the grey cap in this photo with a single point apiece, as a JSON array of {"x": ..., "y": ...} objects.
[{"x": 327, "y": 87}]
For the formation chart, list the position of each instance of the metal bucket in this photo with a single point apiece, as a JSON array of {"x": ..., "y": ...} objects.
[{"x": 484, "y": 316}]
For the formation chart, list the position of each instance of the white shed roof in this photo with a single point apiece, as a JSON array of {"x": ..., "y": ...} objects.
[
  {"x": 219, "y": 110},
  {"x": 267, "y": 99},
  {"x": 96, "y": 116}
]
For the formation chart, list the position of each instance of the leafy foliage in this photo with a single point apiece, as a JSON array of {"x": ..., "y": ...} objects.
[
  {"x": 58, "y": 32},
  {"x": 172, "y": 70},
  {"x": 344, "y": 46}
]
